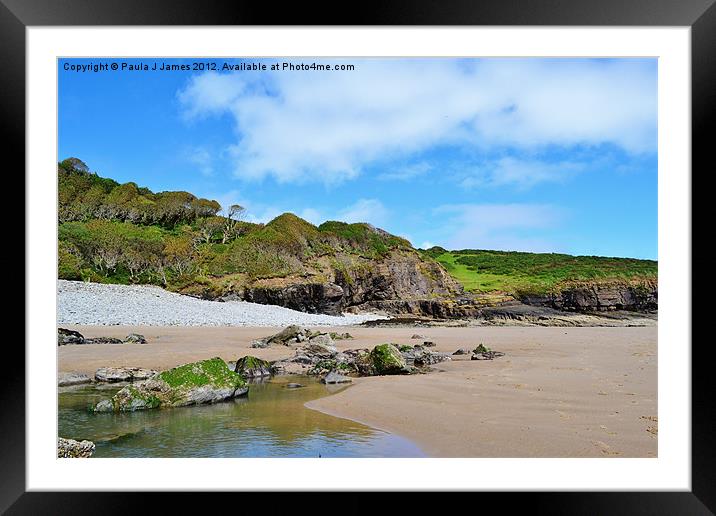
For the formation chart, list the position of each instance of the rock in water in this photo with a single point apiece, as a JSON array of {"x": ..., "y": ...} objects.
[
  {"x": 252, "y": 367},
  {"x": 293, "y": 385},
  {"x": 416, "y": 336},
  {"x": 462, "y": 351},
  {"x": 336, "y": 377},
  {"x": 66, "y": 379},
  {"x": 135, "y": 337},
  {"x": 65, "y": 336},
  {"x": 123, "y": 374},
  {"x": 69, "y": 448},
  {"x": 387, "y": 359},
  {"x": 208, "y": 381}
]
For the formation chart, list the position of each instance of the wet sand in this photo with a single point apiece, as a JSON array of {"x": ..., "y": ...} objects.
[{"x": 558, "y": 392}]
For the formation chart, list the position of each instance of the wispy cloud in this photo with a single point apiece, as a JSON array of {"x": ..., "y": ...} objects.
[
  {"x": 520, "y": 173},
  {"x": 365, "y": 210},
  {"x": 202, "y": 159},
  {"x": 406, "y": 172},
  {"x": 299, "y": 127},
  {"x": 498, "y": 226}
]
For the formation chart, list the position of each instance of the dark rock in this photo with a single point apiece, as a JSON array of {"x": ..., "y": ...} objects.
[
  {"x": 103, "y": 340},
  {"x": 135, "y": 337},
  {"x": 429, "y": 344},
  {"x": 488, "y": 355},
  {"x": 463, "y": 351},
  {"x": 252, "y": 367},
  {"x": 601, "y": 296},
  {"x": 293, "y": 385},
  {"x": 65, "y": 336}
]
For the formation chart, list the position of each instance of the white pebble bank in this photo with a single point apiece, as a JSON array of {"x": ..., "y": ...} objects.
[{"x": 145, "y": 305}]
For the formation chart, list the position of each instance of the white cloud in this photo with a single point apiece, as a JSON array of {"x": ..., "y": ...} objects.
[
  {"x": 498, "y": 226},
  {"x": 521, "y": 173},
  {"x": 406, "y": 173},
  {"x": 365, "y": 210},
  {"x": 311, "y": 215},
  {"x": 328, "y": 126},
  {"x": 202, "y": 159}
]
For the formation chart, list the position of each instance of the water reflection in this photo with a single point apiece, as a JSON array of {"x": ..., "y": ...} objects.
[{"x": 270, "y": 422}]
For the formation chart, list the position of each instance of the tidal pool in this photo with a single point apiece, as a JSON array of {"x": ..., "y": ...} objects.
[{"x": 270, "y": 422}]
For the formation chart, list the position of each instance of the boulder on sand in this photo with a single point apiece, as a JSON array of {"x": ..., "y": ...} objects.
[
  {"x": 65, "y": 336},
  {"x": 123, "y": 374},
  {"x": 208, "y": 381},
  {"x": 252, "y": 367},
  {"x": 69, "y": 448},
  {"x": 72, "y": 378},
  {"x": 291, "y": 336},
  {"x": 135, "y": 337},
  {"x": 387, "y": 359}
]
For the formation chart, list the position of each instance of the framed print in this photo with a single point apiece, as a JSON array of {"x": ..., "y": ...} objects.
[{"x": 424, "y": 251}]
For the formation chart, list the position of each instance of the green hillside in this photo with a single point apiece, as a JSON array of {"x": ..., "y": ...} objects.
[
  {"x": 535, "y": 273},
  {"x": 123, "y": 233}
]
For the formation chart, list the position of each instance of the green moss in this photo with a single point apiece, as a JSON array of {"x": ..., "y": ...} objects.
[
  {"x": 481, "y": 349},
  {"x": 387, "y": 359},
  {"x": 213, "y": 371},
  {"x": 150, "y": 399},
  {"x": 405, "y": 348}
]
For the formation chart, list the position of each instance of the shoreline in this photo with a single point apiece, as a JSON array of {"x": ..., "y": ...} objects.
[{"x": 558, "y": 392}]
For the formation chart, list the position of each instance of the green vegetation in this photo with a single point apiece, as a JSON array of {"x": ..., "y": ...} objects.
[
  {"x": 123, "y": 233},
  {"x": 535, "y": 273},
  {"x": 213, "y": 372},
  {"x": 481, "y": 348}
]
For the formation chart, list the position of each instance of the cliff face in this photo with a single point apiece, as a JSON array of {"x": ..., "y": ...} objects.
[
  {"x": 399, "y": 278},
  {"x": 597, "y": 297}
]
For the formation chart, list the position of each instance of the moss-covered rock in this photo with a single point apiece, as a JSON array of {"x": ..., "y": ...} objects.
[
  {"x": 208, "y": 381},
  {"x": 481, "y": 349},
  {"x": 387, "y": 359},
  {"x": 252, "y": 367}
]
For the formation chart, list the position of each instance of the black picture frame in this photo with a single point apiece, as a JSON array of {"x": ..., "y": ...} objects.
[{"x": 699, "y": 15}]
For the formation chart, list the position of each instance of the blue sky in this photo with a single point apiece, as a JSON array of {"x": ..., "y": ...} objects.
[{"x": 546, "y": 155}]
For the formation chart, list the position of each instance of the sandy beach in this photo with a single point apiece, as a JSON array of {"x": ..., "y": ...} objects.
[{"x": 557, "y": 392}]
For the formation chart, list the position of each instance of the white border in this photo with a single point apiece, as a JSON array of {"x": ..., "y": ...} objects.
[{"x": 671, "y": 470}]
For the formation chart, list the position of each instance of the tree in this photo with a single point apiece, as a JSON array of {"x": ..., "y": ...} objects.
[
  {"x": 208, "y": 227},
  {"x": 235, "y": 214},
  {"x": 179, "y": 253}
]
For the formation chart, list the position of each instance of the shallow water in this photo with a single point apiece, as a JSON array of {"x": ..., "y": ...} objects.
[{"x": 270, "y": 422}]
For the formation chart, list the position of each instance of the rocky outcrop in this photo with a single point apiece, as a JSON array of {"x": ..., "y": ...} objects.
[
  {"x": 208, "y": 381},
  {"x": 601, "y": 296},
  {"x": 69, "y": 448},
  {"x": 68, "y": 379},
  {"x": 323, "y": 298},
  {"x": 293, "y": 335},
  {"x": 65, "y": 336},
  {"x": 252, "y": 367},
  {"x": 123, "y": 374},
  {"x": 401, "y": 275}
]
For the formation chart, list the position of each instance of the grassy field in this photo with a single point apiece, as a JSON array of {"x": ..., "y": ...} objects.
[{"x": 535, "y": 273}]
